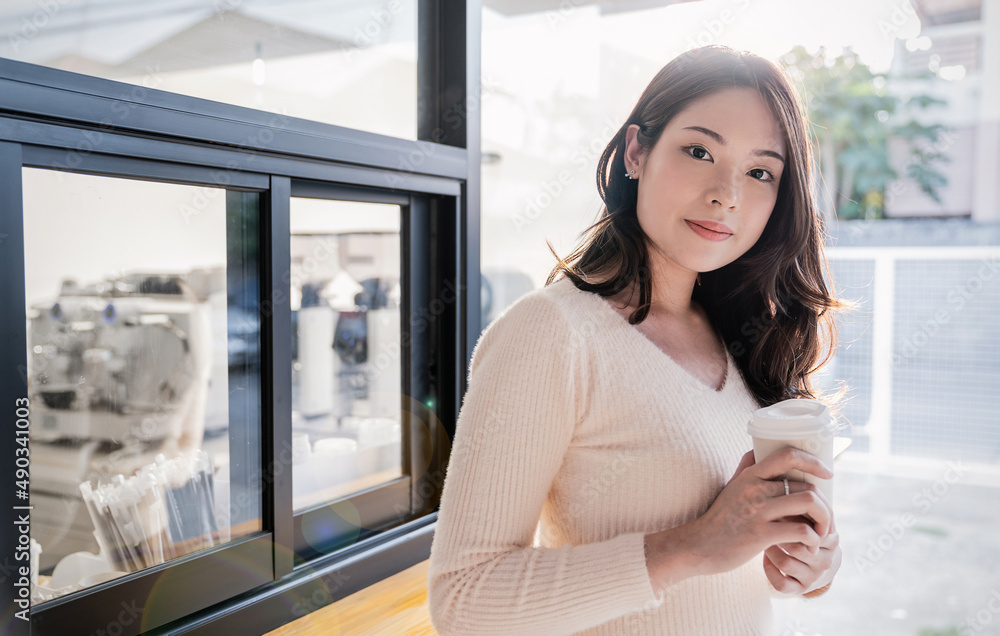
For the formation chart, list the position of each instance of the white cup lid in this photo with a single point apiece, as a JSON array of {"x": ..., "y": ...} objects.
[{"x": 791, "y": 419}]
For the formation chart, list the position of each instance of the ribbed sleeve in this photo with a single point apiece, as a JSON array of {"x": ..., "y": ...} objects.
[{"x": 527, "y": 389}]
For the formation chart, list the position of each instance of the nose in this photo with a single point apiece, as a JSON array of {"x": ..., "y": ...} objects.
[{"x": 724, "y": 192}]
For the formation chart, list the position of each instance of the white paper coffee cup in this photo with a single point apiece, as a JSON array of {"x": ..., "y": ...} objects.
[{"x": 803, "y": 423}]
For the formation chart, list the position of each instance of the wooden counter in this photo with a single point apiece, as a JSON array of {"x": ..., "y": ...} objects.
[{"x": 395, "y": 606}]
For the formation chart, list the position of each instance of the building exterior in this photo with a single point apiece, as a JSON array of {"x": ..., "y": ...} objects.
[{"x": 959, "y": 43}]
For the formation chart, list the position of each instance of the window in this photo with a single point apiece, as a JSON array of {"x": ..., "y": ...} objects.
[
  {"x": 963, "y": 51},
  {"x": 143, "y": 374},
  {"x": 352, "y": 64},
  {"x": 949, "y": 11},
  {"x": 346, "y": 370},
  {"x": 156, "y": 255}
]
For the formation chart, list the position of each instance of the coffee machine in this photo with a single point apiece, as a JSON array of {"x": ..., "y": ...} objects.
[{"x": 119, "y": 370}]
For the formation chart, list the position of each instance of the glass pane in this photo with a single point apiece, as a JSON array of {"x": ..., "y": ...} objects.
[
  {"x": 346, "y": 373},
  {"x": 351, "y": 63},
  {"x": 143, "y": 373}
]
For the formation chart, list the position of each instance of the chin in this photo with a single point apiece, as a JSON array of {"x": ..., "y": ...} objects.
[{"x": 707, "y": 264}]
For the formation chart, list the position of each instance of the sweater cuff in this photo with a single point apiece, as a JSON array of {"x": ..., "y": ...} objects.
[{"x": 627, "y": 555}]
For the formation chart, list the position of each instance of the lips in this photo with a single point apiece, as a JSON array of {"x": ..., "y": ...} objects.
[{"x": 710, "y": 230}]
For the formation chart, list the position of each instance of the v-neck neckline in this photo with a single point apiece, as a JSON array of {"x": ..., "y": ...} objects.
[{"x": 730, "y": 365}]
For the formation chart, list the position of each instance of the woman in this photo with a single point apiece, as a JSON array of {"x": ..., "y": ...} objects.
[{"x": 599, "y": 481}]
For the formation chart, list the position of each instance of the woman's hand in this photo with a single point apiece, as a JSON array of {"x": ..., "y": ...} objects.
[
  {"x": 750, "y": 515},
  {"x": 793, "y": 568}
]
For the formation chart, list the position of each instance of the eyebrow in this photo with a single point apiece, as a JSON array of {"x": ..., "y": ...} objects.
[{"x": 722, "y": 140}]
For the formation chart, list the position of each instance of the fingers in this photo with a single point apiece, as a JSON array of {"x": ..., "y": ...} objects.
[
  {"x": 831, "y": 541},
  {"x": 799, "y": 564},
  {"x": 789, "y": 565},
  {"x": 820, "y": 556},
  {"x": 776, "y": 487},
  {"x": 785, "y": 531},
  {"x": 787, "y": 459},
  {"x": 791, "y": 568},
  {"x": 780, "y": 582},
  {"x": 804, "y": 503}
]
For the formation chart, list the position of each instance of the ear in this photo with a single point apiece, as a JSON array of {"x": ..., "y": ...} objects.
[{"x": 633, "y": 151}]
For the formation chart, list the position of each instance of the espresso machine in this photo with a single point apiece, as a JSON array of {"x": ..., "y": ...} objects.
[{"x": 119, "y": 371}]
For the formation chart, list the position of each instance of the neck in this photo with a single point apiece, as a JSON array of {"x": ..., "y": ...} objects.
[{"x": 672, "y": 286}]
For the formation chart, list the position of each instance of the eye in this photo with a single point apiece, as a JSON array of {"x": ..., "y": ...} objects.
[
  {"x": 761, "y": 175},
  {"x": 698, "y": 153}
]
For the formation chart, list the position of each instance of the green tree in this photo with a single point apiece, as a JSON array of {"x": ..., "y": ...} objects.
[{"x": 853, "y": 115}]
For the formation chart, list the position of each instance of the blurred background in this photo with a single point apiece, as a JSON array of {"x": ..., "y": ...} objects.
[{"x": 904, "y": 102}]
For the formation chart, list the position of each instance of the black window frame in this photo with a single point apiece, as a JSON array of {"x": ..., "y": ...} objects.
[{"x": 168, "y": 137}]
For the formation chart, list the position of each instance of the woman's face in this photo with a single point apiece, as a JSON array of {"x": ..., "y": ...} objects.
[{"x": 708, "y": 186}]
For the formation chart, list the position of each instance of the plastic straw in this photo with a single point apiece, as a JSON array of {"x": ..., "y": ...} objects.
[{"x": 167, "y": 509}]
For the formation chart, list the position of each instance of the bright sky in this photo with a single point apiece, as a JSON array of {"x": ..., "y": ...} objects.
[
  {"x": 767, "y": 27},
  {"x": 771, "y": 27}
]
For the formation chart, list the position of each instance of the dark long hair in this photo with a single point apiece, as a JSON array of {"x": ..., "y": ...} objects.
[{"x": 771, "y": 306}]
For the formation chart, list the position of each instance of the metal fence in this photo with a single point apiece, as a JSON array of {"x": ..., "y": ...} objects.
[{"x": 921, "y": 353}]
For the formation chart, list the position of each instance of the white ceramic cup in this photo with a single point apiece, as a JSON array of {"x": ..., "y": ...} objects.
[{"x": 803, "y": 423}]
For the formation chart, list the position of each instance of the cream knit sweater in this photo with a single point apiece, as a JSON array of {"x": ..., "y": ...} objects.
[{"x": 577, "y": 437}]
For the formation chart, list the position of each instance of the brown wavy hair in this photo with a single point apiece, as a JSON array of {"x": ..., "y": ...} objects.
[{"x": 771, "y": 306}]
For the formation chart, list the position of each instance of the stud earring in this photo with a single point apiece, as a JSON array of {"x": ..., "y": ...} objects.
[{"x": 630, "y": 174}]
